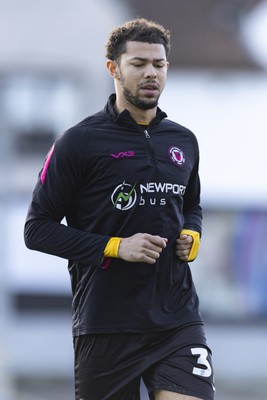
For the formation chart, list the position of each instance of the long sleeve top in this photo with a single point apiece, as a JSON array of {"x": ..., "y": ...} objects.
[{"x": 108, "y": 176}]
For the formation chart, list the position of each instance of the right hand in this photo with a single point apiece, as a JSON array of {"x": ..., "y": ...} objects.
[{"x": 141, "y": 247}]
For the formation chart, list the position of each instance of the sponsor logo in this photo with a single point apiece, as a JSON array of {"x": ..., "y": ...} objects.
[
  {"x": 122, "y": 154},
  {"x": 125, "y": 195},
  {"x": 176, "y": 155},
  {"x": 153, "y": 187}
]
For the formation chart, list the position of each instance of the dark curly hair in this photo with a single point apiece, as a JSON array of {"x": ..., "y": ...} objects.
[{"x": 139, "y": 30}]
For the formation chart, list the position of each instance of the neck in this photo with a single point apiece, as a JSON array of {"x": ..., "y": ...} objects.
[{"x": 143, "y": 116}]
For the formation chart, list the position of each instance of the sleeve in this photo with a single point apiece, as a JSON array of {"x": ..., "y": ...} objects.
[
  {"x": 191, "y": 209},
  {"x": 58, "y": 183}
]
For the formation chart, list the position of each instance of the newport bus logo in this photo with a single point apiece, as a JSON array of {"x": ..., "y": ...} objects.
[{"x": 124, "y": 196}]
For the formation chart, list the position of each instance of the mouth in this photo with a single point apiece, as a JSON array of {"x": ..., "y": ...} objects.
[{"x": 150, "y": 89}]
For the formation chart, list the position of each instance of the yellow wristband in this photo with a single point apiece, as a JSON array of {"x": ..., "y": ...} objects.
[
  {"x": 112, "y": 247},
  {"x": 195, "y": 245}
]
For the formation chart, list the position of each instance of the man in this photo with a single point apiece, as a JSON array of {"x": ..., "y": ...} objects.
[{"x": 126, "y": 179}]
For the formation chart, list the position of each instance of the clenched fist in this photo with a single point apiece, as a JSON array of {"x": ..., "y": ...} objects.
[{"x": 142, "y": 247}]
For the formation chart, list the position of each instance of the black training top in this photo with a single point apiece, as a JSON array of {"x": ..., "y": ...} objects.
[{"x": 111, "y": 177}]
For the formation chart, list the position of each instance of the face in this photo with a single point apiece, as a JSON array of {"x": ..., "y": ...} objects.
[{"x": 142, "y": 72}]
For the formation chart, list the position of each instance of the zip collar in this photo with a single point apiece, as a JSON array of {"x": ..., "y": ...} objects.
[{"x": 125, "y": 117}]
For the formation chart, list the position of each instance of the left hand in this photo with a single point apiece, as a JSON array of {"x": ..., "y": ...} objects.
[{"x": 183, "y": 246}]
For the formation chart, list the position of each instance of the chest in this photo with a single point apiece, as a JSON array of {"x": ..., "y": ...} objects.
[{"x": 144, "y": 157}]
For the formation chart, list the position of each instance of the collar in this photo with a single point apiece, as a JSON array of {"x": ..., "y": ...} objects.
[{"x": 125, "y": 116}]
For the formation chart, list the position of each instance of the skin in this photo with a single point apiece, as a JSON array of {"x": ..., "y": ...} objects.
[
  {"x": 183, "y": 246},
  {"x": 164, "y": 395},
  {"x": 139, "y": 78},
  {"x": 142, "y": 64}
]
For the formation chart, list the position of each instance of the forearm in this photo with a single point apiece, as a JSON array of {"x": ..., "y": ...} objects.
[
  {"x": 57, "y": 239},
  {"x": 193, "y": 219}
]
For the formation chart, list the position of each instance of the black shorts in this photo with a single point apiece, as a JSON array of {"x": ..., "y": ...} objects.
[{"x": 110, "y": 366}]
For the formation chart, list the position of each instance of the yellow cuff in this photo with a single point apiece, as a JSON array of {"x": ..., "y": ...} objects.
[
  {"x": 112, "y": 247},
  {"x": 195, "y": 245}
]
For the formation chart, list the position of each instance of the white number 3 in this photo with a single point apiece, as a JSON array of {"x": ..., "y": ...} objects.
[{"x": 202, "y": 359}]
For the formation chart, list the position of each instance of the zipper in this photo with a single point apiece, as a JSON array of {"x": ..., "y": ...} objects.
[
  {"x": 146, "y": 134},
  {"x": 151, "y": 153}
]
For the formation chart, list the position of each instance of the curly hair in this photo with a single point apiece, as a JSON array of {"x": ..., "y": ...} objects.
[{"x": 139, "y": 30}]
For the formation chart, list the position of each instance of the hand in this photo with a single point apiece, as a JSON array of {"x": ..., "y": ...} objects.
[
  {"x": 141, "y": 247},
  {"x": 183, "y": 246}
]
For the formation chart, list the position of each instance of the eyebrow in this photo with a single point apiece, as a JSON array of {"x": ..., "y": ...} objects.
[{"x": 147, "y": 59}]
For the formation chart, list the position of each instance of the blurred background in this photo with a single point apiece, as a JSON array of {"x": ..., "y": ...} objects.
[{"x": 52, "y": 75}]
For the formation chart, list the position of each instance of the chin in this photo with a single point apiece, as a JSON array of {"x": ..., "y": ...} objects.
[{"x": 149, "y": 106}]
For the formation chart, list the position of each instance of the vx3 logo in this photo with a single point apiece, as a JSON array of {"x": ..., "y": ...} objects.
[{"x": 122, "y": 154}]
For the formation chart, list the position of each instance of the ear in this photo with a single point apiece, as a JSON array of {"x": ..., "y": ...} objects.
[{"x": 113, "y": 69}]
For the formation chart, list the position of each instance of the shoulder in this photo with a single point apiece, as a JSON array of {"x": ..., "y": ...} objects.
[
  {"x": 75, "y": 135},
  {"x": 178, "y": 127},
  {"x": 180, "y": 130}
]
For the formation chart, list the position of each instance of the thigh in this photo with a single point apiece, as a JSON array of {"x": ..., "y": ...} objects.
[
  {"x": 164, "y": 395},
  {"x": 103, "y": 368},
  {"x": 186, "y": 371}
]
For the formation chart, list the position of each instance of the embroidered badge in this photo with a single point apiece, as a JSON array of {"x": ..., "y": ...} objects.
[{"x": 176, "y": 155}]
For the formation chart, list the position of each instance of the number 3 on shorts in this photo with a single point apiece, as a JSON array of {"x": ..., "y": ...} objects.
[{"x": 202, "y": 359}]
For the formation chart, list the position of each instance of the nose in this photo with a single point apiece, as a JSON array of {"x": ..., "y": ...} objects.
[{"x": 150, "y": 71}]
